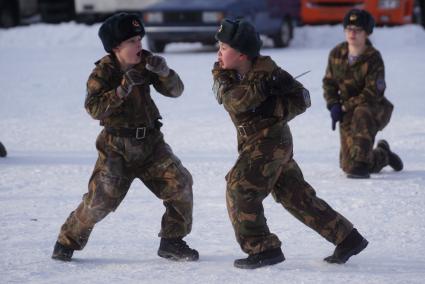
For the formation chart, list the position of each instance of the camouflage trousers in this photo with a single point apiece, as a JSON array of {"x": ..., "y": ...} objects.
[
  {"x": 357, "y": 134},
  {"x": 120, "y": 161},
  {"x": 268, "y": 167}
]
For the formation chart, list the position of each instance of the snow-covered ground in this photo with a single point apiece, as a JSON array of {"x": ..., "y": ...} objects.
[{"x": 50, "y": 140}]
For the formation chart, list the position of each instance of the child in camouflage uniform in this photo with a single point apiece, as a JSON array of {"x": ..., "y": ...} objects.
[
  {"x": 260, "y": 98},
  {"x": 131, "y": 144},
  {"x": 354, "y": 86}
]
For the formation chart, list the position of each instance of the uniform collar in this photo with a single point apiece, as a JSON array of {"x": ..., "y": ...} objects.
[{"x": 369, "y": 51}]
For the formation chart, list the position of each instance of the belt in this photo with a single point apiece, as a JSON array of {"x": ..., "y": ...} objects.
[
  {"x": 138, "y": 133},
  {"x": 249, "y": 129}
]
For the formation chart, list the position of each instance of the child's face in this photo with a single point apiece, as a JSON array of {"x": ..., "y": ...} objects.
[
  {"x": 228, "y": 57},
  {"x": 355, "y": 36},
  {"x": 128, "y": 52}
]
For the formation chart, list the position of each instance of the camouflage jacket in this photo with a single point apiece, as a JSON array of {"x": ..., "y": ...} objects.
[
  {"x": 138, "y": 109},
  {"x": 258, "y": 96},
  {"x": 361, "y": 83}
]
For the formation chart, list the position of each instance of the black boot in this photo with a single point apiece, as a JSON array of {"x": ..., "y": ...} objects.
[
  {"x": 177, "y": 249},
  {"x": 351, "y": 245},
  {"x": 261, "y": 259},
  {"x": 3, "y": 152},
  {"x": 395, "y": 161},
  {"x": 61, "y": 252},
  {"x": 359, "y": 170}
]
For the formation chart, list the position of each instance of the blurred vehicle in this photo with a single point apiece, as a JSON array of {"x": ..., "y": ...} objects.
[
  {"x": 91, "y": 11},
  {"x": 419, "y": 12},
  {"x": 197, "y": 20},
  {"x": 55, "y": 11},
  {"x": 15, "y": 12},
  {"x": 385, "y": 12}
]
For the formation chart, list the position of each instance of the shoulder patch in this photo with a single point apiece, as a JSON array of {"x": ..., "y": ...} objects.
[{"x": 380, "y": 84}]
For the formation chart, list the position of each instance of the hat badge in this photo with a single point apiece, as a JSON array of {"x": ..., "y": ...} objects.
[
  {"x": 135, "y": 23},
  {"x": 353, "y": 17},
  {"x": 221, "y": 28}
]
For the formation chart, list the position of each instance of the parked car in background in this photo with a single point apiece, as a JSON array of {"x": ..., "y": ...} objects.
[
  {"x": 91, "y": 11},
  {"x": 56, "y": 11},
  {"x": 15, "y": 12},
  {"x": 419, "y": 12},
  {"x": 385, "y": 12},
  {"x": 171, "y": 21}
]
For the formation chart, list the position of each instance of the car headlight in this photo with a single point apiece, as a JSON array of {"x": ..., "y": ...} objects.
[
  {"x": 212, "y": 17},
  {"x": 389, "y": 4},
  {"x": 153, "y": 17}
]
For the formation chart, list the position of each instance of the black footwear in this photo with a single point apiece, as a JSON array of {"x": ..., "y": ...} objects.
[
  {"x": 359, "y": 170},
  {"x": 261, "y": 259},
  {"x": 351, "y": 245},
  {"x": 3, "y": 152},
  {"x": 395, "y": 161},
  {"x": 177, "y": 249},
  {"x": 61, "y": 252}
]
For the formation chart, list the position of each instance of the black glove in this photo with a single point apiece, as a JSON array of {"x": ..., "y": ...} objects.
[
  {"x": 158, "y": 65},
  {"x": 336, "y": 114},
  {"x": 130, "y": 79},
  {"x": 281, "y": 82}
]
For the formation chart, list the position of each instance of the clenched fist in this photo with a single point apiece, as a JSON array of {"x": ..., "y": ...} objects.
[
  {"x": 157, "y": 64},
  {"x": 130, "y": 79}
]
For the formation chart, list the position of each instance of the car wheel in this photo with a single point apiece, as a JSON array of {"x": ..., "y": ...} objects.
[
  {"x": 284, "y": 36},
  {"x": 156, "y": 45},
  {"x": 8, "y": 17},
  {"x": 419, "y": 12}
]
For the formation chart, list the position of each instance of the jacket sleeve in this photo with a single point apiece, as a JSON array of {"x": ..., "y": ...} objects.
[
  {"x": 295, "y": 98},
  {"x": 101, "y": 99},
  {"x": 170, "y": 86},
  {"x": 239, "y": 97},
  {"x": 330, "y": 85},
  {"x": 282, "y": 83},
  {"x": 374, "y": 86}
]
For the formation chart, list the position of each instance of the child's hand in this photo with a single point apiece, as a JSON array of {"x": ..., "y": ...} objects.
[
  {"x": 130, "y": 79},
  {"x": 157, "y": 64}
]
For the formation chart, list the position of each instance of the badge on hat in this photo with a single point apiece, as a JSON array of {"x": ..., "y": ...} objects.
[
  {"x": 353, "y": 17},
  {"x": 220, "y": 28},
  {"x": 136, "y": 25}
]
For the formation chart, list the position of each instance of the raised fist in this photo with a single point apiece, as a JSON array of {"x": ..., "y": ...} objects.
[{"x": 157, "y": 64}]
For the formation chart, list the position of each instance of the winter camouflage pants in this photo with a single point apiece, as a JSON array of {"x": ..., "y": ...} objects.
[
  {"x": 357, "y": 134},
  {"x": 120, "y": 161},
  {"x": 266, "y": 168}
]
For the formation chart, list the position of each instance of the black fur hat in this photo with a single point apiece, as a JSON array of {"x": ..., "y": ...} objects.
[
  {"x": 119, "y": 28},
  {"x": 240, "y": 35},
  {"x": 359, "y": 18}
]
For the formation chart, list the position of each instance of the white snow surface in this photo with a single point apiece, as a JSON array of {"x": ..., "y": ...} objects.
[{"x": 51, "y": 153}]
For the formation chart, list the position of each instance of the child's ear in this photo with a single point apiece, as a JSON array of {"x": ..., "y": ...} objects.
[
  {"x": 243, "y": 57},
  {"x": 115, "y": 49}
]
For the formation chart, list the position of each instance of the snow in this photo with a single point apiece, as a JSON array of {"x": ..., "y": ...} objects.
[{"x": 50, "y": 142}]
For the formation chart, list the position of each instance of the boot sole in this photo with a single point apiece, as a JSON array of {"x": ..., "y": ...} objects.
[
  {"x": 383, "y": 144},
  {"x": 354, "y": 176},
  {"x": 174, "y": 257},
  {"x": 62, "y": 253},
  {"x": 266, "y": 262},
  {"x": 61, "y": 258},
  {"x": 354, "y": 251}
]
